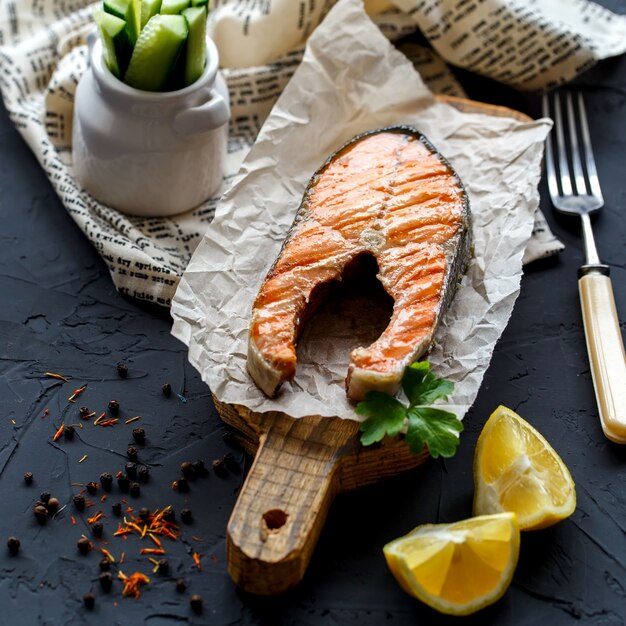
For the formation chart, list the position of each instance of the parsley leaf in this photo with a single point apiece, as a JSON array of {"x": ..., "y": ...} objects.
[
  {"x": 377, "y": 403},
  {"x": 435, "y": 428},
  {"x": 426, "y": 426},
  {"x": 422, "y": 387}
]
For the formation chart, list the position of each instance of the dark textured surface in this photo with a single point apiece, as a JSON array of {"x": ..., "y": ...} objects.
[{"x": 59, "y": 312}]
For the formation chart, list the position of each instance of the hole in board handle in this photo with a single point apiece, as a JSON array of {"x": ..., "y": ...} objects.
[{"x": 274, "y": 519}]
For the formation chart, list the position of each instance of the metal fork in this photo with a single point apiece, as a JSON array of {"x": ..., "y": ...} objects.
[{"x": 575, "y": 190}]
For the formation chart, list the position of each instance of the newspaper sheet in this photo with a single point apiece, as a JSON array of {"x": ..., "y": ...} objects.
[{"x": 43, "y": 56}]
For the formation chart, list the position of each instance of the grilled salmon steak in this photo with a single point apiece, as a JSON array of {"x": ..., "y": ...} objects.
[{"x": 389, "y": 194}]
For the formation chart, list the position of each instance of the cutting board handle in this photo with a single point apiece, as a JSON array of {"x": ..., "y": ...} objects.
[{"x": 285, "y": 500}]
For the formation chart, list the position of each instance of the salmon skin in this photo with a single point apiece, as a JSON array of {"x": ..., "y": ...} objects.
[{"x": 389, "y": 194}]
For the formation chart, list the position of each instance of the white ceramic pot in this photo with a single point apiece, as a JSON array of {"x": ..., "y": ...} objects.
[{"x": 146, "y": 153}]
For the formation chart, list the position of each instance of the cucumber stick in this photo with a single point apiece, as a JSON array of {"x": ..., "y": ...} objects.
[
  {"x": 200, "y": 3},
  {"x": 195, "y": 50},
  {"x": 156, "y": 52},
  {"x": 117, "y": 45},
  {"x": 174, "y": 7},
  {"x": 130, "y": 12},
  {"x": 148, "y": 9}
]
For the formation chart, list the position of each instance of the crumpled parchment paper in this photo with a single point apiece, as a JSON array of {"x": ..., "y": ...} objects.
[{"x": 352, "y": 80}]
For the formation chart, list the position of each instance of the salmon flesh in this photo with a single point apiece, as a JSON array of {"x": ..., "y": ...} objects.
[{"x": 389, "y": 194}]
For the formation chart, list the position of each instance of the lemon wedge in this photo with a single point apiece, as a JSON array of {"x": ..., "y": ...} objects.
[
  {"x": 457, "y": 568},
  {"x": 516, "y": 469}
]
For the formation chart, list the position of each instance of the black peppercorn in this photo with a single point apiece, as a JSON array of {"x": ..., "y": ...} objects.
[
  {"x": 41, "y": 513},
  {"x": 84, "y": 412},
  {"x": 231, "y": 463},
  {"x": 69, "y": 431},
  {"x": 220, "y": 468},
  {"x": 53, "y": 506},
  {"x": 181, "y": 585},
  {"x": 89, "y": 599},
  {"x": 114, "y": 407},
  {"x": 28, "y": 478},
  {"x": 117, "y": 509},
  {"x": 105, "y": 565},
  {"x": 229, "y": 438},
  {"x": 79, "y": 501},
  {"x": 196, "y": 604},
  {"x": 106, "y": 581},
  {"x": 169, "y": 516},
  {"x": 167, "y": 390},
  {"x": 13, "y": 544},
  {"x": 143, "y": 474},
  {"x": 182, "y": 485},
  {"x": 139, "y": 435},
  {"x": 91, "y": 487},
  {"x": 84, "y": 545},
  {"x": 106, "y": 480},
  {"x": 44, "y": 497},
  {"x": 186, "y": 515},
  {"x": 188, "y": 470},
  {"x": 135, "y": 490},
  {"x": 131, "y": 470},
  {"x": 123, "y": 483},
  {"x": 144, "y": 513},
  {"x": 96, "y": 529},
  {"x": 199, "y": 468},
  {"x": 122, "y": 370},
  {"x": 163, "y": 567},
  {"x": 132, "y": 453}
]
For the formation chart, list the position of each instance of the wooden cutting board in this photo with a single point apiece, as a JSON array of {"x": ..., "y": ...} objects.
[{"x": 299, "y": 466}]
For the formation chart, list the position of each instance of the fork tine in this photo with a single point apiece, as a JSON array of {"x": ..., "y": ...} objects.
[
  {"x": 553, "y": 187},
  {"x": 577, "y": 166},
  {"x": 566, "y": 183},
  {"x": 592, "y": 174}
]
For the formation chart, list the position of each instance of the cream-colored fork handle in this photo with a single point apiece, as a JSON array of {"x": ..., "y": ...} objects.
[{"x": 606, "y": 352}]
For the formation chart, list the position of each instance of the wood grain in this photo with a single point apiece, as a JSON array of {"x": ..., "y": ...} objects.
[{"x": 299, "y": 466}]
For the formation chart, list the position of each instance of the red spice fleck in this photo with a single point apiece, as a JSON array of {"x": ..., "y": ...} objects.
[
  {"x": 151, "y": 551},
  {"x": 57, "y": 376},
  {"x": 152, "y": 525},
  {"x": 104, "y": 498},
  {"x": 196, "y": 560},
  {"x": 108, "y": 555},
  {"x": 95, "y": 518},
  {"x": 46, "y": 412},
  {"x": 73, "y": 519},
  {"x": 168, "y": 533},
  {"x": 109, "y": 422},
  {"x": 133, "y": 526},
  {"x": 132, "y": 583},
  {"x": 76, "y": 393},
  {"x": 59, "y": 432}
]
